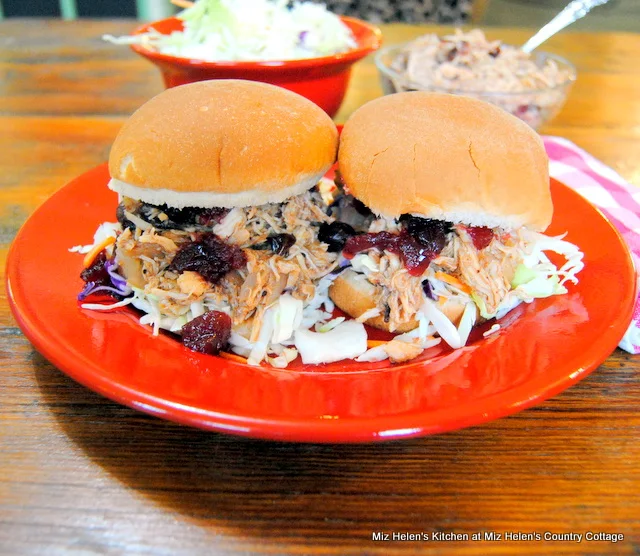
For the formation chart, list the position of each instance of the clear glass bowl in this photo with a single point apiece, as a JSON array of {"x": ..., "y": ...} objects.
[{"x": 535, "y": 106}]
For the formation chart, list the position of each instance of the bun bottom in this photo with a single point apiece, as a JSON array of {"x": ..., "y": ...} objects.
[{"x": 354, "y": 294}]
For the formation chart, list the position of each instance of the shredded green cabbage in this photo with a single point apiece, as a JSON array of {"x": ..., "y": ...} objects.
[
  {"x": 258, "y": 30},
  {"x": 348, "y": 340},
  {"x": 522, "y": 275},
  {"x": 536, "y": 276},
  {"x": 287, "y": 317}
]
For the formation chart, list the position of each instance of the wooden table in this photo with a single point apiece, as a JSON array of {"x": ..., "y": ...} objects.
[{"x": 80, "y": 474}]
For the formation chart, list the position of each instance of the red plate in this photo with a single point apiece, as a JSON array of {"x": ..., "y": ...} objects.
[{"x": 541, "y": 349}]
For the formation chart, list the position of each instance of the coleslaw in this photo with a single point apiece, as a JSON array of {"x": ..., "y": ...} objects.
[
  {"x": 250, "y": 30},
  {"x": 514, "y": 269}
]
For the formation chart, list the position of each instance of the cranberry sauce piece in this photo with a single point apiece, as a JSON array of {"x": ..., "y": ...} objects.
[
  {"x": 417, "y": 244},
  {"x": 97, "y": 273},
  {"x": 211, "y": 216},
  {"x": 335, "y": 235},
  {"x": 428, "y": 232},
  {"x": 208, "y": 256},
  {"x": 415, "y": 257},
  {"x": 181, "y": 218},
  {"x": 278, "y": 243},
  {"x": 208, "y": 333},
  {"x": 480, "y": 235}
]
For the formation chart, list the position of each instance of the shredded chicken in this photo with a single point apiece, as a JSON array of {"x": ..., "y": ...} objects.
[
  {"x": 401, "y": 295},
  {"x": 399, "y": 352},
  {"x": 162, "y": 244},
  {"x": 192, "y": 283},
  {"x": 144, "y": 258},
  {"x": 487, "y": 273},
  {"x": 145, "y": 254},
  {"x": 261, "y": 286}
]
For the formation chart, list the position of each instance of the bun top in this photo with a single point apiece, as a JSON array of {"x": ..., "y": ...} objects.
[
  {"x": 448, "y": 157},
  {"x": 222, "y": 143}
]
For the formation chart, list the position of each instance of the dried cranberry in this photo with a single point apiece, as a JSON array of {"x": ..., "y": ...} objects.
[
  {"x": 212, "y": 216},
  {"x": 179, "y": 218},
  {"x": 186, "y": 215},
  {"x": 481, "y": 236},
  {"x": 97, "y": 273},
  {"x": 335, "y": 235},
  {"x": 281, "y": 243},
  {"x": 208, "y": 256},
  {"x": 149, "y": 213},
  {"x": 415, "y": 257},
  {"x": 526, "y": 110},
  {"x": 278, "y": 243},
  {"x": 122, "y": 218},
  {"x": 362, "y": 209},
  {"x": 208, "y": 333},
  {"x": 98, "y": 280},
  {"x": 427, "y": 231}
]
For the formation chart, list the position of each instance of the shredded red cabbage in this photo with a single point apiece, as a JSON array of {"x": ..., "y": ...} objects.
[{"x": 101, "y": 276}]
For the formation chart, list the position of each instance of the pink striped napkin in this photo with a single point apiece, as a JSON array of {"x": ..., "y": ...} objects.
[{"x": 616, "y": 198}]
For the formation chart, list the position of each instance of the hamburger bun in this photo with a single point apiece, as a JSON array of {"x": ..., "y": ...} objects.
[
  {"x": 446, "y": 157},
  {"x": 222, "y": 143},
  {"x": 354, "y": 294}
]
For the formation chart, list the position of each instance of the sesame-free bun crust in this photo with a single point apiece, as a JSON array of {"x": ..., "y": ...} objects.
[
  {"x": 447, "y": 157},
  {"x": 222, "y": 143},
  {"x": 354, "y": 294}
]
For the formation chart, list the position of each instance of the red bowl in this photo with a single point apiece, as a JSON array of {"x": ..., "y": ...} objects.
[{"x": 322, "y": 80}]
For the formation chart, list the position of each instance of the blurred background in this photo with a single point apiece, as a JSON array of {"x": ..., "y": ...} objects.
[{"x": 617, "y": 15}]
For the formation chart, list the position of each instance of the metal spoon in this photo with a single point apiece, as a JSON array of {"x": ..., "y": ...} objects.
[{"x": 572, "y": 12}]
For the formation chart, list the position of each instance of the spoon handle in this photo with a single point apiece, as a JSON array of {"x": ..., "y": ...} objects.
[{"x": 572, "y": 12}]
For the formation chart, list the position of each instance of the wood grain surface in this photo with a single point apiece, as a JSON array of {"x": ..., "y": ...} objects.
[{"x": 82, "y": 475}]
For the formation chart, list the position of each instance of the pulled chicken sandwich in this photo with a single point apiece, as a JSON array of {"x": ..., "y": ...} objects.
[
  {"x": 219, "y": 212},
  {"x": 452, "y": 196}
]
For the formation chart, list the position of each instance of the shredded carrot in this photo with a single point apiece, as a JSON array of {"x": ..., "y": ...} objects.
[
  {"x": 232, "y": 357},
  {"x": 182, "y": 3},
  {"x": 375, "y": 343},
  {"x": 91, "y": 255},
  {"x": 452, "y": 280}
]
